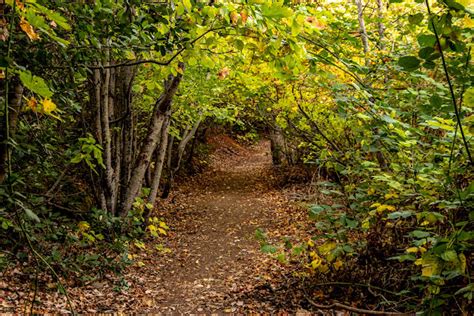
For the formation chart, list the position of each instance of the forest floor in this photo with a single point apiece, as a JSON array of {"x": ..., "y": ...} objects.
[{"x": 210, "y": 261}]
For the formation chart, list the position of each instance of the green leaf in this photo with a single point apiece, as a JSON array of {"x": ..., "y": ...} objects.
[
  {"x": 467, "y": 288},
  {"x": 400, "y": 214},
  {"x": 54, "y": 16},
  {"x": 409, "y": 63},
  {"x": 425, "y": 52},
  {"x": 274, "y": 12},
  {"x": 268, "y": 249},
  {"x": 415, "y": 18},
  {"x": 419, "y": 234},
  {"x": 426, "y": 40},
  {"x": 32, "y": 215},
  {"x": 449, "y": 255},
  {"x": 436, "y": 101},
  {"x": 469, "y": 97},
  {"x": 404, "y": 257},
  {"x": 453, "y": 5},
  {"x": 35, "y": 84}
]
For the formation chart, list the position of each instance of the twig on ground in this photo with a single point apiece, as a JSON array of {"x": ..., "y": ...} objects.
[{"x": 353, "y": 309}]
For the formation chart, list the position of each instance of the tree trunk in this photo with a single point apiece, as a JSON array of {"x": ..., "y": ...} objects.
[
  {"x": 149, "y": 144},
  {"x": 362, "y": 29},
  {"x": 381, "y": 26},
  {"x": 161, "y": 150},
  {"x": 167, "y": 187},
  {"x": 14, "y": 103},
  {"x": 276, "y": 145},
  {"x": 107, "y": 141},
  {"x": 184, "y": 142}
]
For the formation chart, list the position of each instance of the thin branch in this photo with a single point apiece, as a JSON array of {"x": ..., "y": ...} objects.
[
  {"x": 153, "y": 61},
  {"x": 356, "y": 77},
  {"x": 353, "y": 309},
  {"x": 7, "y": 87},
  {"x": 39, "y": 256},
  {"x": 448, "y": 79}
]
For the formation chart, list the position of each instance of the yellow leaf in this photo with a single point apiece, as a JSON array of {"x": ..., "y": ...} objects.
[
  {"x": 412, "y": 250},
  {"x": 28, "y": 29},
  {"x": 162, "y": 231},
  {"x": 152, "y": 229},
  {"x": 382, "y": 207},
  {"x": 48, "y": 106},
  {"x": 390, "y": 195},
  {"x": 366, "y": 224},
  {"x": 327, "y": 247},
  {"x": 429, "y": 266},
  {"x": 140, "y": 263},
  {"x": 462, "y": 259},
  {"x": 139, "y": 244},
  {"x": 130, "y": 55},
  {"x": 311, "y": 243},
  {"x": 316, "y": 263},
  {"x": 323, "y": 268},
  {"x": 83, "y": 226},
  {"x": 163, "y": 225},
  {"x": 234, "y": 17},
  {"x": 427, "y": 270}
]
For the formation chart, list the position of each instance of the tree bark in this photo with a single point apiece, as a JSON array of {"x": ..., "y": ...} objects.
[
  {"x": 148, "y": 146},
  {"x": 14, "y": 103},
  {"x": 381, "y": 26},
  {"x": 107, "y": 141},
  {"x": 362, "y": 29},
  {"x": 160, "y": 160},
  {"x": 184, "y": 142},
  {"x": 276, "y": 145}
]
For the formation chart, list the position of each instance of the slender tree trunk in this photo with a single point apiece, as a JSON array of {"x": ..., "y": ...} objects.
[
  {"x": 276, "y": 145},
  {"x": 167, "y": 187},
  {"x": 362, "y": 29},
  {"x": 155, "y": 185},
  {"x": 14, "y": 103},
  {"x": 188, "y": 134},
  {"x": 184, "y": 142},
  {"x": 107, "y": 141},
  {"x": 381, "y": 26},
  {"x": 128, "y": 135},
  {"x": 96, "y": 105},
  {"x": 148, "y": 146}
]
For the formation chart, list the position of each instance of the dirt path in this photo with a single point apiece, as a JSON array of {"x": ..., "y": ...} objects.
[{"x": 215, "y": 263}]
